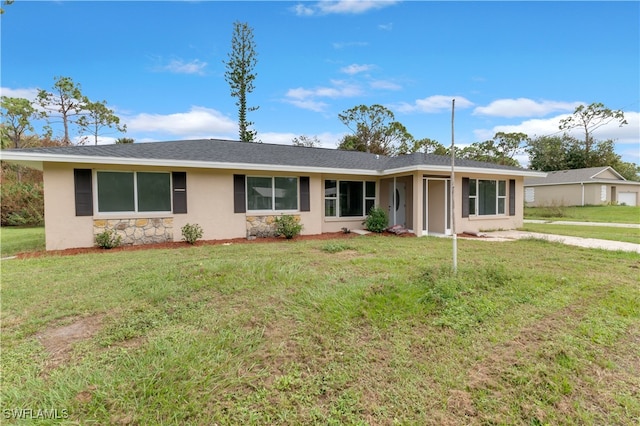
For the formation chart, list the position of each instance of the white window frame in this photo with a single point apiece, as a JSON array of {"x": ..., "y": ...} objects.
[
  {"x": 336, "y": 197},
  {"x": 273, "y": 194},
  {"x": 135, "y": 210},
  {"x": 499, "y": 197}
]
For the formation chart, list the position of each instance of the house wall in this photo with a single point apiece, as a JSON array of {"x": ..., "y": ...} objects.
[
  {"x": 210, "y": 197},
  {"x": 335, "y": 224},
  {"x": 571, "y": 195},
  {"x": 489, "y": 223},
  {"x": 63, "y": 229}
]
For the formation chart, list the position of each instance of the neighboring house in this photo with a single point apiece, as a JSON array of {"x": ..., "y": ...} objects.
[
  {"x": 581, "y": 187},
  {"x": 148, "y": 191}
]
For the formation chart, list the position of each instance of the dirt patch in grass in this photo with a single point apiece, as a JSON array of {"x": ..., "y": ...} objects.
[
  {"x": 59, "y": 341},
  {"x": 183, "y": 244}
]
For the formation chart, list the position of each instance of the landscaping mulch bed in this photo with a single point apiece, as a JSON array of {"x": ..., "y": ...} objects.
[{"x": 183, "y": 244}]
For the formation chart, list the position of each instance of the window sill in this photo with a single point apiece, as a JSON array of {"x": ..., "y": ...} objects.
[
  {"x": 345, "y": 219},
  {"x": 488, "y": 217},
  {"x": 270, "y": 212},
  {"x": 132, "y": 215}
]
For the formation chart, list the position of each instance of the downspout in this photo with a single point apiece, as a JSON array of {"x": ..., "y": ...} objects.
[{"x": 582, "y": 186}]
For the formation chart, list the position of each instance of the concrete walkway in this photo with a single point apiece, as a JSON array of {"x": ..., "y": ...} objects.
[
  {"x": 564, "y": 222},
  {"x": 572, "y": 241}
]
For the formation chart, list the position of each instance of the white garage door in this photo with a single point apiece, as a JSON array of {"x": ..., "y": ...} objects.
[{"x": 628, "y": 198}]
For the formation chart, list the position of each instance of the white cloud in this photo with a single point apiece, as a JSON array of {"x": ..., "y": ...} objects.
[
  {"x": 303, "y": 10},
  {"x": 384, "y": 85},
  {"x": 356, "y": 68},
  {"x": 178, "y": 66},
  {"x": 29, "y": 93},
  {"x": 307, "y": 98},
  {"x": 345, "y": 44},
  {"x": 523, "y": 107},
  {"x": 627, "y": 134},
  {"x": 341, "y": 7},
  {"x": 386, "y": 27},
  {"x": 308, "y": 104},
  {"x": 197, "y": 122},
  {"x": 432, "y": 104}
]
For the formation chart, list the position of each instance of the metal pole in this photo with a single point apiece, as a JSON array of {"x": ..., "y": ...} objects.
[{"x": 452, "y": 194}]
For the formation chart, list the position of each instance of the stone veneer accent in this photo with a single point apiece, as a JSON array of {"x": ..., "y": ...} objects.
[
  {"x": 263, "y": 226},
  {"x": 137, "y": 231}
]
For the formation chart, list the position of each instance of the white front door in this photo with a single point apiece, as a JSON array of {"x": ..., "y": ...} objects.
[{"x": 398, "y": 204}]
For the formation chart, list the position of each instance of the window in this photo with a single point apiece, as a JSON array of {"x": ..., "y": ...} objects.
[
  {"x": 487, "y": 197},
  {"x": 133, "y": 192},
  {"x": 348, "y": 198},
  {"x": 272, "y": 193}
]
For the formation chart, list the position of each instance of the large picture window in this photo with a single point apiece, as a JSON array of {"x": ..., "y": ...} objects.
[
  {"x": 272, "y": 193},
  {"x": 133, "y": 191},
  {"x": 348, "y": 198},
  {"x": 487, "y": 197}
]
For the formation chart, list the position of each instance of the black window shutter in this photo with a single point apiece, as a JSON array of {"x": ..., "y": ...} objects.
[
  {"x": 465, "y": 197},
  {"x": 179, "y": 192},
  {"x": 512, "y": 197},
  {"x": 239, "y": 203},
  {"x": 83, "y": 188},
  {"x": 305, "y": 202}
]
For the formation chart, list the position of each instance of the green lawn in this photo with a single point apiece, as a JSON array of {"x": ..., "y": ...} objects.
[
  {"x": 629, "y": 235},
  {"x": 367, "y": 330},
  {"x": 15, "y": 240},
  {"x": 615, "y": 214}
]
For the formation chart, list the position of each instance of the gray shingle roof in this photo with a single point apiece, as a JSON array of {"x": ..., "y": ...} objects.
[
  {"x": 235, "y": 152},
  {"x": 572, "y": 176}
]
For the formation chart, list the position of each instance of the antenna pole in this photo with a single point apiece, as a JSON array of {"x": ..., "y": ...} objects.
[{"x": 452, "y": 192}]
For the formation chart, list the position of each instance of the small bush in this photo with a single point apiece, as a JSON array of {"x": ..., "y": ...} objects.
[
  {"x": 288, "y": 225},
  {"x": 191, "y": 233},
  {"x": 377, "y": 220},
  {"x": 108, "y": 239}
]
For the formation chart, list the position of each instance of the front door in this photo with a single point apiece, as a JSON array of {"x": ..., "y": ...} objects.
[
  {"x": 398, "y": 203},
  {"x": 437, "y": 209}
]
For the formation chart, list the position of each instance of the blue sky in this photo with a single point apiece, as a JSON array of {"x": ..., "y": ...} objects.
[{"x": 511, "y": 66}]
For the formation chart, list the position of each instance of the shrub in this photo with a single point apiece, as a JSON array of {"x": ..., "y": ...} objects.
[
  {"x": 288, "y": 225},
  {"x": 191, "y": 233},
  {"x": 377, "y": 220},
  {"x": 22, "y": 204},
  {"x": 108, "y": 239}
]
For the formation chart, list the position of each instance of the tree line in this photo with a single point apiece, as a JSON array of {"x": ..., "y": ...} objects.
[{"x": 375, "y": 130}]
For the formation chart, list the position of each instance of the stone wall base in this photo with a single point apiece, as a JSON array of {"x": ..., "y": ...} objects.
[
  {"x": 137, "y": 231},
  {"x": 263, "y": 226}
]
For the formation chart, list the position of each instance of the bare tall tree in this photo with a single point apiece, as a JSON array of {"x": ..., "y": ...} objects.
[
  {"x": 97, "y": 117},
  {"x": 65, "y": 100},
  {"x": 588, "y": 118},
  {"x": 240, "y": 75}
]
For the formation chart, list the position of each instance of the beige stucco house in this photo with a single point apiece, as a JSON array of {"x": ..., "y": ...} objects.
[
  {"x": 581, "y": 187},
  {"x": 148, "y": 191}
]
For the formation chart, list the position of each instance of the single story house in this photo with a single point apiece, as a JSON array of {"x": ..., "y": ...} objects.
[
  {"x": 148, "y": 191},
  {"x": 581, "y": 187}
]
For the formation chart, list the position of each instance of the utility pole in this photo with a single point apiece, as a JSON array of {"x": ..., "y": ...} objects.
[{"x": 452, "y": 193}]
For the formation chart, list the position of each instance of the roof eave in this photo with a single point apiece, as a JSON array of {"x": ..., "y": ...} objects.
[
  {"x": 36, "y": 160},
  {"x": 463, "y": 169}
]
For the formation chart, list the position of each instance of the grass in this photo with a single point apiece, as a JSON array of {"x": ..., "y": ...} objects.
[
  {"x": 369, "y": 330},
  {"x": 629, "y": 235},
  {"x": 615, "y": 214},
  {"x": 15, "y": 240}
]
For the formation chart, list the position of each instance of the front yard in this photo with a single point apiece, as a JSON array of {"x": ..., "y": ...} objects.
[{"x": 366, "y": 330}]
